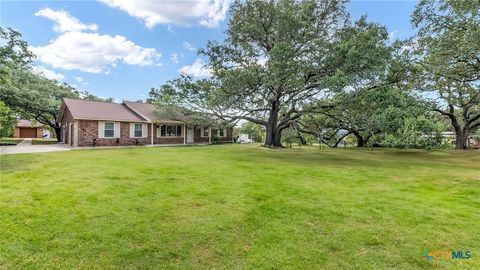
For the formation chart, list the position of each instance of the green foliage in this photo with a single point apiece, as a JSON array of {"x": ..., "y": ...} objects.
[
  {"x": 215, "y": 139},
  {"x": 7, "y": 121},
  {"x": 366, "y": 114},
  {"x": 10, "y": 141},
  {"x": 27, "y": 94},
  {"x": 14, "y": 54},
  {"x": 278, "y": 59},
  {"x": 35, "y": 97},
  {"x": 415, "y": 132},
  {"x": 447, "y": 51}
]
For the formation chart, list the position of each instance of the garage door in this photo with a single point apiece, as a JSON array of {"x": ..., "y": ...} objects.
[{"x": 28, "y": 132}]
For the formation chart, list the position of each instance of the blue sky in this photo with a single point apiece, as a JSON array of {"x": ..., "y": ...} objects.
[{"x": 122, "y": 48}]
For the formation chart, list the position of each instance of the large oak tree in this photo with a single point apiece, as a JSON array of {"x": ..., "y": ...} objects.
[
  {"x": 26, "y": 93},
  {"x": 279, "y": 60},
  {"x": 448, "y": 54}
]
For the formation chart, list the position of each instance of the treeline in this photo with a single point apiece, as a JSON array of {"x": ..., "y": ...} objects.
[{"x": 301, "y": 69}]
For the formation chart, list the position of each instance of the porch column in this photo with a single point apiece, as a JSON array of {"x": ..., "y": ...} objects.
[
  {"x": 151, "y": 134},
  {"x": 184, "y": 133},
  {"x": 210, "y": 134},
  {"x": 75, "y": 134}
]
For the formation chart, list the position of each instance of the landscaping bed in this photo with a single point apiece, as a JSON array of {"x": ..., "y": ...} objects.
[
  {"x": 44, "y": 141},
  {"x": 9, "y": 141}
]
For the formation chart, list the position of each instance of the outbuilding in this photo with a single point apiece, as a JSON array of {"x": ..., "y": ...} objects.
[{"x": 28, "y": 129}]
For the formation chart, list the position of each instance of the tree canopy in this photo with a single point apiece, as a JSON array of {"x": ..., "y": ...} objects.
[
  {"x": 447, "y": 50},
  {"x": 27, "y": 94},
  {"x": 279, "y": 61}
]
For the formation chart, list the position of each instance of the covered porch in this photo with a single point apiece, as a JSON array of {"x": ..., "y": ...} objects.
[{"x": 179, "y": 132}]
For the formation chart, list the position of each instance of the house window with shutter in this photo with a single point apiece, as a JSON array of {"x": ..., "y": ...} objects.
[
  {"x": 205, "y": 132},
  {"x": 221, "y": 132},
  {"x": 138, "y": 130},
  {"x": 109, "y": 130}
]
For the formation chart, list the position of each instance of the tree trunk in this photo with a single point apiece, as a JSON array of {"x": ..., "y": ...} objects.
[
  {"x": 461, "y": 139},
  {"x": 273, "y": 137},
  {"x": 360, "y": 140},
  {"x": 58, "y": 133}
]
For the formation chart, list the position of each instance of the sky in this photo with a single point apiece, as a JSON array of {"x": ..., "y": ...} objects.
[{"x": 123, "y": 48}]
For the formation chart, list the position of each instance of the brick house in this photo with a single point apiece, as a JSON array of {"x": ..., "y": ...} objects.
[
  {"x": 28, "y": 129},
  {"x": 91, "y": 123}
]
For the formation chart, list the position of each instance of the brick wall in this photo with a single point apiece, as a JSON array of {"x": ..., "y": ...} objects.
[
  {"x": 39, "y": 132},
  {"x": 65, "y": 121},
  {"x": 16, "y": 133},
  {"x": 167, "y": 140},
  {"x": 228, "y": 136},
  {"x": 199, "y": 139},
  {"x": 88, "y": 134},
  {"x": 197, "y": 136}
]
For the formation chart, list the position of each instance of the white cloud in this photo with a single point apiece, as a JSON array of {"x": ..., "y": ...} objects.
[
  {"x": 174, "y": 58},
  {"x": 196, "y": 69},
  {"x": 207, "y": 13},
  {"x": 47, "y": 73},
  {"x": 79, "y": 79},
  {"x": 393, "y": 35},
  {"x": 188, "y": 46},
  {"x": 91, "y": 52},
  {"x": 64, "y": 21}
]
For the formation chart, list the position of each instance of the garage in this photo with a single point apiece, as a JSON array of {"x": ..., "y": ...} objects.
[
  {"x": 28, "y": 132},
  {"x": 27, "y": 129}
]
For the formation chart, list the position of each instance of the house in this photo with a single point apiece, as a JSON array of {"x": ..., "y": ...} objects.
[
  {"x": 28, "y": 129},
  {"x": 91, "y": 123},
  {"x": 450, "y": 137},
  {"x": 244, "y": 138}
]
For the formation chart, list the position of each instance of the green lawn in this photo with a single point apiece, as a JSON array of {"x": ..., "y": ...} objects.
[{"x": 238, "y": 207}]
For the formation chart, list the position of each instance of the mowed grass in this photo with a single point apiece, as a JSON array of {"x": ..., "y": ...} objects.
[{"x": 238, "y": 207}]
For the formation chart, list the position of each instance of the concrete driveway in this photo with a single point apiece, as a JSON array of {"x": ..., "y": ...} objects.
[{"x": 26, "y": 147}]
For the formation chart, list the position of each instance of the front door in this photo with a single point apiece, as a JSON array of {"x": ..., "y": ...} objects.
[{"x": 189, "y": 134}]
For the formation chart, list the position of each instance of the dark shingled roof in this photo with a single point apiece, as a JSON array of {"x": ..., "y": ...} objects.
[{"x": 94, "y": 110}]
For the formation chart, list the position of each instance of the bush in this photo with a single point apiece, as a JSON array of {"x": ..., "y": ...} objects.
[{"x": 43, "y": 141}]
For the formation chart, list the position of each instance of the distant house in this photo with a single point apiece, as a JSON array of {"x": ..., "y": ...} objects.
[
  {"x": 91, "y": 123},
  {"x": 244, "y": 138},
  {"x": 28, "y": 129},
  {"x": 450, "y": 136}
]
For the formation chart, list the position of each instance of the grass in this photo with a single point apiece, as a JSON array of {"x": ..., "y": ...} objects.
[
  {"x": 44, "y": 141},
  {"x": 238, "y": 207},
  {"x": 10, "y": 141}
]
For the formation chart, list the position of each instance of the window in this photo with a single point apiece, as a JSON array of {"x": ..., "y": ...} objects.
[
  {"x": 221, "y": 132},
  {"x": 170, "y": 131},
  {"x": 205, "y": 132},
  {"x": 138, "y": 131},
  {"x": 109, "y": 130}
]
